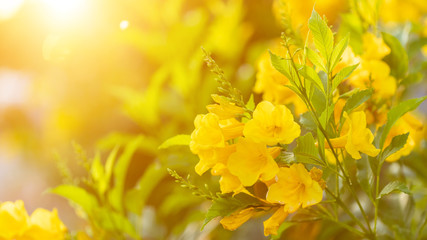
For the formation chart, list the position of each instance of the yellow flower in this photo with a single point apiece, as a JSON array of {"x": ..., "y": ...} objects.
[
  {"x": 252, "y": 161},
  {"x": 45, "y": 225},
  {"x": 224, "y": 109},
  {"x": 272, "y": 224},
  {"x": 374, "y": 47},
  {"x": 408, "y": 123},
  {"x": 209, "y": 138},
  {"x": 271, "y": 83},
  {"x": 355, "y": 136},
  {"x": 237, "y": 218},
  {"x": 375, "y": 74},
  {"x": 271, "y": 125},
  {"x": 208, "y": 133},
  {"x": 402, "y": 11},
  {"x": 295, "y": 187},
  {"x": 13, "y": 219}
]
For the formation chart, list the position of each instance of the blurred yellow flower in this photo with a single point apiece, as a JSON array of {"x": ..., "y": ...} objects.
[
  {"x": 224, "y": 109},
  {"x": 208, "y": 133},
  {"x": 374, "y": 47},
  {"x": 272, "y": 224},
  {"x": 355, "y": 136},
  {"x": 295, "y": 187},
  {"x": 271, "y": 125},
  {"x": 45, "y": 225},
  {"x": 271, "y": 84},
  {"x": 401, "y": 11},
  {"x": 408, "y": 123},
  {"x": 14, "y": 219},
  {"x": 236, "y": 219},
  {"x": 252, "y": 161}
]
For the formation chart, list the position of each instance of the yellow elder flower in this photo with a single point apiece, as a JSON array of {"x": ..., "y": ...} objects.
[
  {"x": 224, "y": 109},
  {"x": 408, "y": 123},
  {"x": 272, "y": 224},
  {"x": 237, "y": 218},
  {"x": 45, "y": 225},
  {"x": 374, "y": 47},
  {"x": 271, "y": 125},
  {"x": 271, "y": 84},
  {"x": 295, "y": 187},
  {"x": 355, "y": 136},
  {"x": 252, "y": 161},
  {"x": 402, "y": 11},
  {"x": 13, "y": 219},
  {"x": 209, "y": 138}
]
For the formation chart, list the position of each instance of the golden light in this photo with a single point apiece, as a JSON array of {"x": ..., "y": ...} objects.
[
  {"x": 124, "y": 24},
  {"x": 8, "y": 8},
  {"x": 63, "y": 12}
]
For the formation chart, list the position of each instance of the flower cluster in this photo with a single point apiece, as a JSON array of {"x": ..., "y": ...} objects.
[
  {"x": 42, "y": 224},
  {"x": 243, "y": 153}
]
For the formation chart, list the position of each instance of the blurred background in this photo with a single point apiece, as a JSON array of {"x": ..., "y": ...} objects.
[{"x": 100, "y": 72}]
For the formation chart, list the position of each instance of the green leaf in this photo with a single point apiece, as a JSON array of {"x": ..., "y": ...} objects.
[
  {"x": 322, "y": 34},
  {"x": 338, "y": 51},
  {"x": 78, "y": 196},
  {"x": 113, "y": 221},
  {"x": 412, "y": 78},
  {"x": 396, "y": 144},
  {"x": 178, "y": 140},
  {"x": 393, "y": 187},
  {"x": 136, "y": 198},
  {"x": 306, "y": 151},
  {"x": 397, "y": 59},
  {"x": 307, "y": 121},
  {"x": 343, "y": 75},
  {"x": 315, "y": 59},
  {"x": 398, "y": 111},
  {"x": 251, "y": 103},
  {"x": 116, "y": 195},
  {"x": 310, "y": 74},
  {"x": 224, "y": 206},
  {"x": 357, "y": 99},
  {"x": 280, "y": 64}
]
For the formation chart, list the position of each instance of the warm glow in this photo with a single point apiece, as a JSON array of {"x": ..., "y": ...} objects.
[
  {"x": 64, "y": 11},
  {"x": 124, "y": 24},
  {"x": 8, "y": 8}
]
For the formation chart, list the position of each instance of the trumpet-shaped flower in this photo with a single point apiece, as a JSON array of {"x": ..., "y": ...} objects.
[
  {"x": 224, "y": 109},
  {"x": 355, "y": 136},
  {"x": 237, "y": 218},
  {"x": 271, "y": 125},
  {"x": 13, "y": 219},
  {"x": 408, "y": 123},
  {"x": 209, "y": 138},
  {"x": 374, "y": 47},
  {"x": 272, "y": 224},
  {"x": 295, "y": 187},
  {"x": 252, "y": 161},
  {"x": 45, "y": 225}
]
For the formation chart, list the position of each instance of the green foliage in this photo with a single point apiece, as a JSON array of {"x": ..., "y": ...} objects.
[
  {"x": 393, "y": 187},
  {"x": 396, "y": 112},
  {"x": 225, "y": 205},
  {"x": 322, "y": 36},
  {"x": 343, "y": 75},
  {"x": 178, "y": 140},
  {"x": 315, "y": 59},
  {"x": 396, "y": 144},
  {"x": 77, "y": 195},
  {"x": 398, "y": 58},
  {"x": 338, "y": 51},
  {"x": 310, "y": 74},
  {"x": 116, "y": 195},
  {"x": 306, "y": 151},
  {"x": 357, "y": 99}
]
